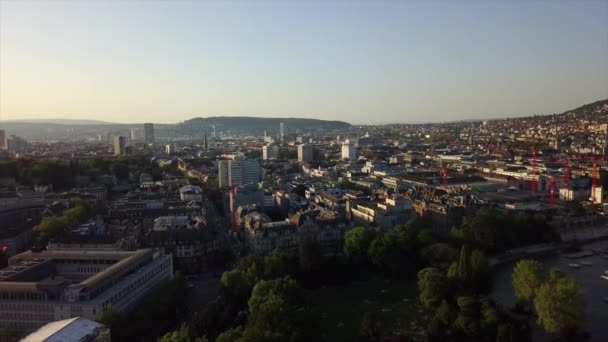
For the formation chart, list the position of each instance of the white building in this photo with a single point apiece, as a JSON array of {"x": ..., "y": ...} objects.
[
  {"x": 238, "y": 172},
  {"x": 349, "y": 152},
  {"x": 283, "y": 130},
  {"x": 72, "y": 329},
  {"x": 170, "y": 148},
  {"x": 190, "y": 193},
  {"x": 304, "y": 153},
  {"x": 270, "y": 152},
  {"x": 120, "y": 145},
  {"x": 41, "y": 287}
]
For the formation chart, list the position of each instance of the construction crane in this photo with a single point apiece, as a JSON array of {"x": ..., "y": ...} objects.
[
  {"x": 552, "y": 191},
  {"x": 445, "y": 178},
  {"x": 533, "y": 170}
]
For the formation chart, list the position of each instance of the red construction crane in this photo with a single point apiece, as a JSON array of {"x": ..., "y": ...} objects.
[
  {"x": 533, "y": 170},
  {"x": 594, "y": 178}
]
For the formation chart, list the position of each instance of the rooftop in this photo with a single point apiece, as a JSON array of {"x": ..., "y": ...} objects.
[{"x": 72, "y": 329}]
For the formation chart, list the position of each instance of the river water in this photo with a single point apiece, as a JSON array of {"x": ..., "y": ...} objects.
[{"x": 587, "y": 277}]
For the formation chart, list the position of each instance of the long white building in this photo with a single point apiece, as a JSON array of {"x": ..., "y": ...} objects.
[{"x": 41, "y": 287}]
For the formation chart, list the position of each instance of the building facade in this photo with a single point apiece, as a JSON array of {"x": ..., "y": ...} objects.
[
  {"x": 120, "y": 145},
  {"x": 270, "y": 152},
  {"x": 149, "y": 133},
  {"x": 238, "y": 172},
  {"x": 349, "y": 152},
  {"x": 304, "y": 153},
  {"x": 41, "y": 287}
]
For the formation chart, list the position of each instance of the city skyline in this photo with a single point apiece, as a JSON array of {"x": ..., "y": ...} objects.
[{"x": 362, "y": 63}]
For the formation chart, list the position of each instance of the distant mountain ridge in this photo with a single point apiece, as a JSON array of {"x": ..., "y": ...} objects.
[
  {"x": 53, "y": 129},
  {"x": 246, "y": 123},
  {"x": 61, "y": 121}
]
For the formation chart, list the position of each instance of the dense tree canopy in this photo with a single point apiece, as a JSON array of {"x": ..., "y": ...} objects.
[
  {"x": 559, "y": 305},
  {"x": 432, "y": 285},
  {"x": 494, "y": 231},
  {"x": 528, "y": 275}
]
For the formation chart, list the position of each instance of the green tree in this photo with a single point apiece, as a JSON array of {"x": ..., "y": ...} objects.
[
  {"x": 277, "y": 265},
  {"x": 180, "y": 335},
  {"x": 489, "y": 316},
  {"x": 479, "y": 272},
  {"x": 385, "y": 253},
  {"x": 235, "y": 287},
  {"x": 277, "y": 312},
  {"x": 440, "y": 255},
  {"x": 528, "y": 275},
  {"x": 468, "y": 319},
  {"x": 231, "y": 335},
  {"x": 439, "y": 326},
  {"x": 432, "y": 286},
  {"x": 559, "y": 305},
  {"x": 310, "y": 256},
  {"x": 357, "y": 242},
  {"x": 370, "y": 329}
]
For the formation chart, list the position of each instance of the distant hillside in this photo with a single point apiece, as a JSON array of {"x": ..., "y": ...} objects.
[
  {"x": 61, "y": 122},
  {"x": 588, "y": 108},
  {"x": 245, "y": 123},
  {"x": 60, "y": 129}
]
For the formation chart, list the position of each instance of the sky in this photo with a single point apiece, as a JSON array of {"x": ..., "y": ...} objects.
[{"x": 357, "y": 61}]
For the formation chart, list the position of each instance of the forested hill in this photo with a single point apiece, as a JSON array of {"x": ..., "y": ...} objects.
[{"x": 246, "y": 123}]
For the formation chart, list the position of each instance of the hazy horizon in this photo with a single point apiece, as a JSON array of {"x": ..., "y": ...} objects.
[{"x": 360, "y": 62}]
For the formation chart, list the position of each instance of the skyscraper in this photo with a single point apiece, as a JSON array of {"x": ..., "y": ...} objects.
[
  {"x": 282, "y": 130},
  {"x": 3, "y": 142},
  {"x": 269, "y": 152},
  {"x": 349, "y": 152},
  {"x": 205, "y": 141},
  {"x": 149, "y": 133},
  {"x": 120, "y": 145},
  {"x": 238, "y": 172},
  {"x": 304, "y": 153}
]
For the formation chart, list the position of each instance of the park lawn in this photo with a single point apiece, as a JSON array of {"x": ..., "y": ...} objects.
[{"x": 394, "y": 302}]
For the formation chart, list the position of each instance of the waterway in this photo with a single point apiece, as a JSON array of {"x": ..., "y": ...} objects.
[{"x": 587, "y": 277}]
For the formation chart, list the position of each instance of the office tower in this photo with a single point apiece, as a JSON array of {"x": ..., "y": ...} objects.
[
  {"x": 170, "y": 148},
  {"x": 132, "y": 135},
  {"x": 270, "y": 152},
  {"x": 3, "y": 140},
  {"x": 15, "y": 144},
  {"x": 304, "y": 153},
  {"x": 149, "y": 133},
  {"x": 120, "y": 145},
  {"x": 282, "y": 130},
  {"x": 238, "y": 172},
  {"x": 349, "y": 152},
  {"x": 205, "y": 141}
]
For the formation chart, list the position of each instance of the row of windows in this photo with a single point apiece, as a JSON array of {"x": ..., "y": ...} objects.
[
  {"x": 5, "y": 295},
  {"x": 128, "y": 289},
  {"x": 27, "y": 316},
  {"x": 21, "y": 306}
]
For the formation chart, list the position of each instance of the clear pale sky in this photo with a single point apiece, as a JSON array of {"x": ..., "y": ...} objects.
[{"x": 358, "y": 61}]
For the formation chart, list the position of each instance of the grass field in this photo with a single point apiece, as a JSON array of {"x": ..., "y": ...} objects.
[{"x": 394, "y": 302}]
